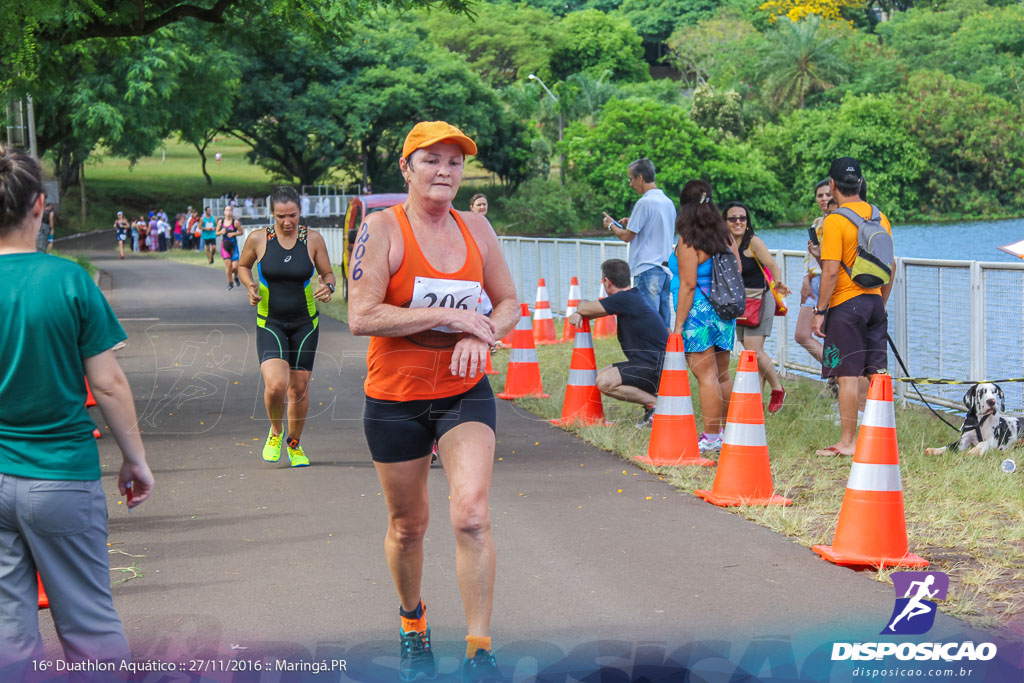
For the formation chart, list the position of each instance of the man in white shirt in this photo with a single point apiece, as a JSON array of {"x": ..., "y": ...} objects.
[{"x": 649, "y": 230}]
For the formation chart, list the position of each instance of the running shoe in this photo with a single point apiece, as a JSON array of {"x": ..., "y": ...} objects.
[
  {"x": 481, "y": 668},
  {"x": 272, "y": 449},
  {"x": 296, "y": 457},
  {"x": 710, "y": 444},
  {"x": 433, "y": 454},
  {"x": 416, "y": 657},
  {"x": 776, "y": 401},
  {"x": 647, "y": 420},
  {"x": 231, "y": 285},
  {"x": 238, "y": 283}
]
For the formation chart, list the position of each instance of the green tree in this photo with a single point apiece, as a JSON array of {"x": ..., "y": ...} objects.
[
  {"x": 395, "y": 76},
  {"x": 211, "y": 81},
  {"x": 655, "y": 20},
  {"x": 714, "y": 49},
  {"x": 976, "y": 165},
  {"x": 803, "y": 144},
  {"x": 292, "y": 120},
  {"x": 800, "y": 58},
  {"x": 717, "y": 109},
  {"x": 34, "y": 28},
  {"x": 966, "y": 38},
  {"x": 594, "y": 42},
  {"x": 502, "y": 42},
  {"x": 116, "y": 92},
  {"x": 597, "y": 156}
]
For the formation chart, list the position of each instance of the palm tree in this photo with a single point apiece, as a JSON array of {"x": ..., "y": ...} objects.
[{"x": 800, "y": 58}]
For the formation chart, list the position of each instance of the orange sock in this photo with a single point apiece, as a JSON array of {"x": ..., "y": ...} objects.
[
  {"x": 415, "y": 620},
  {"x": 474, "y": 643}
]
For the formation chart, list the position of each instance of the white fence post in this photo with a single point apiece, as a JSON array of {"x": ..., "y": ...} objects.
[
  {"x": 782, "y": 342},
  {"x": 977, "y": 323},
  {"x": 900, "y": 317}
]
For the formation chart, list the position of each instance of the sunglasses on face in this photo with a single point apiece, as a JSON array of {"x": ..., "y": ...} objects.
[{"x": 736, "y": 219}]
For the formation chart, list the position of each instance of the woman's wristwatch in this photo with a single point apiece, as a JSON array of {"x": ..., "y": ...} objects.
[
  {"x": 330, "y": 286},
  {"x": 817, "y": 312}
]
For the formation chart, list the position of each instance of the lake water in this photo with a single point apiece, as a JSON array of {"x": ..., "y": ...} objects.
[{"x": 973, "y": 241}]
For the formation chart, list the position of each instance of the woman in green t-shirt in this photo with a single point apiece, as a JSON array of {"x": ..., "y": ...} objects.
[{"x": 58, "y": 328}]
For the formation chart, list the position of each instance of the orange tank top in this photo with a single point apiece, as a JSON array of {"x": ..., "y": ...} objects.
[{"x": 416, "y": 367}]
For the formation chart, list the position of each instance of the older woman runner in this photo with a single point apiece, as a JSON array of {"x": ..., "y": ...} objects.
[
  {"x": 57, "y": 328},
  {"x": 416, "y": 278}
]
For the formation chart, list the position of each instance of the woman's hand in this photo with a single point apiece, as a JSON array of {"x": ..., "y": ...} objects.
[{"x": 469, "y": 357}]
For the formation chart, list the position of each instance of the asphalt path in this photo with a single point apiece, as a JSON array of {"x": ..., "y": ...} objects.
[{"x": 243, "y": 563}]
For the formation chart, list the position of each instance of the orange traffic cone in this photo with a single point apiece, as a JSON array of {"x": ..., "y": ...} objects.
[
  {"x": 523, "y": 376},
  {"x": 605, "y": 326},
  {"x": 872, "y": 529},
  {"x": 44, "y": 599},
  {"x": 582, "y": 404},
  {"x": 90, "y": 401},
  {"x": 569, "y": 331},
  {"x": 543, "y": 323},
  {"x": 744, "y": 476},
  {"x": 489, "y": 369},
  {"x": 506, "y": 341},
  {"x": 674, "y": 430}
]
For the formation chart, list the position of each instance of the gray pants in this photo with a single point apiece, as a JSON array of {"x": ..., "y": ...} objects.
[{"x": 58, "y": 528}]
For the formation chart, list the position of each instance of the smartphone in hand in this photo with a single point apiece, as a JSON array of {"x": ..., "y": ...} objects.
[
  {"x": 813, "y": 234},
  {"x": 614, "y": 222}
]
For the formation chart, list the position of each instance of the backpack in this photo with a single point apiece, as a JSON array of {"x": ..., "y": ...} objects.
[
  {"x": 727, "y": 295},
  {"x": 873, "y": 265}
]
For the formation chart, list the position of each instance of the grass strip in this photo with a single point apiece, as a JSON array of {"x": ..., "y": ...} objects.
[{"x": 963, "y": 513}]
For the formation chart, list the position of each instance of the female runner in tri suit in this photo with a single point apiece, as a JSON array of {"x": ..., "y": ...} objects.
[
  {"x": 229, "y": 229},
  {"x": 416, "y": 277},
  {"x": 289, "y": 258}
]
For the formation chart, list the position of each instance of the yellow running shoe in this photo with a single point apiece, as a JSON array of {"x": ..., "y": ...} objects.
[
  {"x": 272, "y": 449},
  {"x": 296, "y": 457}
]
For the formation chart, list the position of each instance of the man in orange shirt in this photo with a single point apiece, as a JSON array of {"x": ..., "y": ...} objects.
[{"x": 851, "y": 318}]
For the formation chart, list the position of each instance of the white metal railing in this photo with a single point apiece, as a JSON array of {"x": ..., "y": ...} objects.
[
  {"x": 961, "y": 320},
  {"x": 333, "y": 237},
  {"x": 322, "y": 205}
]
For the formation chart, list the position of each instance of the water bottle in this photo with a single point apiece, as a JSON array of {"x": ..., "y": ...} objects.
[{"x": 1008, "y": 466}]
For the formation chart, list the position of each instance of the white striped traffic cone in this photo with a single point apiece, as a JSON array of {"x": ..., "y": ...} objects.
[
  {"x": 582, "y": 403},
  {"x": 569, "y": 331},
  {"x": 744, "y": 476},
  {"x": 543, "y": 323},
  {"x": 523, "y": 375},
  {"x": 872, "y": 528},
  {"x": 673, "y": 439},
  {"x": 605, "y": 326}
]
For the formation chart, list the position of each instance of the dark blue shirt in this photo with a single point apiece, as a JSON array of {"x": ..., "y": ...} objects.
[{"x": 642, "y": 333}]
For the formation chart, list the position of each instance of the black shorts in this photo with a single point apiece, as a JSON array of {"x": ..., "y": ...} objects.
[
  {"x": 294, "y": 342},
  {"x": 397, "y": 431},
  {"x": 855, "y": 338},
  {"x": 210, "y": 241},
  {"x": 643, "y": 377}
]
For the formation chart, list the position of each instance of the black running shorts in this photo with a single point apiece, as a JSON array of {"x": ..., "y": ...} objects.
[
  {"x": 855, "y": 338},
  {"x": 397, "y": 431},
  {"x": 643, "y": 377},
  {"x": 294, "y": 342}
]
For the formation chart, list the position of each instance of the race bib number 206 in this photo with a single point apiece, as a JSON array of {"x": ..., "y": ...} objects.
[{"x": 431, "y": 292}]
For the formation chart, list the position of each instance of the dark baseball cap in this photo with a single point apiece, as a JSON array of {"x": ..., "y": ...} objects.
[{"x": 844, "y": 167}]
